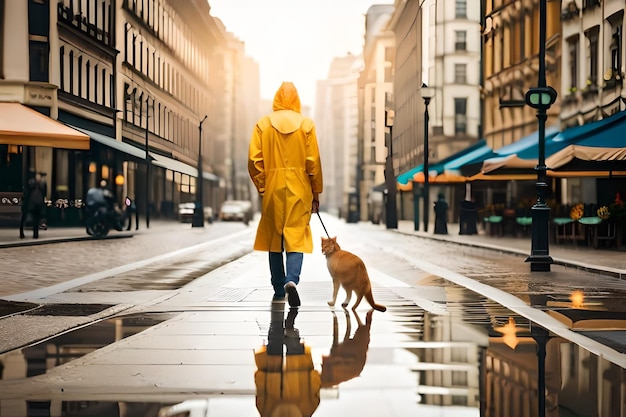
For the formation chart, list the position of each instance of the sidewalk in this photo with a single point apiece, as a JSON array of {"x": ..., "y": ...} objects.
[
  {"x": 9, "y": 236},
  {"x": 608, "y": 261}
]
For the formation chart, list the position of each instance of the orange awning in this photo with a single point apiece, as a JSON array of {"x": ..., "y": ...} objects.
[{"x": 21, "y": 125}]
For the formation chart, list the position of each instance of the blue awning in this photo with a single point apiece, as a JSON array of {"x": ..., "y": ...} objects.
[
  {"x": 408, "y": 176},
  {"x": 595, "y": 147},
  {"x": 606, "y": 133},
  {"x": 440, "y": 167},
  {"x": 520, "y": 157},
  {"x": 471, "y": 162}
]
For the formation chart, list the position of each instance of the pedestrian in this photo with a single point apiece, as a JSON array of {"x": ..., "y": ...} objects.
[
  {"x": 468, "y": 217},
  {"x": 33, "y": 203},
  {"x": 284, "y": 165},
  {"x": 441, "y": 213}
]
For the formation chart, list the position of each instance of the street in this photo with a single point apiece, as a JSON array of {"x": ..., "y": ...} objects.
[{"x": 178, "y": 314}]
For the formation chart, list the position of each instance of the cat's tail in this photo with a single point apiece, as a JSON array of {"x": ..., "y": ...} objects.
[{"x": 370, "y": 299}]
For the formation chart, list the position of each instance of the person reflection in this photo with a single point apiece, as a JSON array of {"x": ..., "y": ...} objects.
[
  {"x": 286, "y": 382},
  {"x": 346, "y": 359}
]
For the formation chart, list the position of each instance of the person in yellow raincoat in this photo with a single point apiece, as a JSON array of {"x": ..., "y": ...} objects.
[{"x": 284, "y": 165}]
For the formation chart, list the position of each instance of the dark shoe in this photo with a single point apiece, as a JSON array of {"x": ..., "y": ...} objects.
[
  {"x": 292, "y": 294},
  {"x": 22, "y": 236}
]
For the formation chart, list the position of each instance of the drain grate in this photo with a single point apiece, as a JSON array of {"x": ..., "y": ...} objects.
[{"x": 230, "y": 294}]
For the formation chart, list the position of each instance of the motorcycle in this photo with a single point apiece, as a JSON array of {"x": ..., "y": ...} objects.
[{"x": 103, "y": 214}]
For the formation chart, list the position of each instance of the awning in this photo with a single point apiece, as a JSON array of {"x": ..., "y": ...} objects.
[
  {"x": 445, "y": 171},
  {"x": 21, "y": 125},
  {"x": 123, "y": 147},
  {"x": 470, "y": 163},
  {"x": 178, "y": 166},
  {"x": 598, "y": 147},
  {"x": 521, "y": 157}
]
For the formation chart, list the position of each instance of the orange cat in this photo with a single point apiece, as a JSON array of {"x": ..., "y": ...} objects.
[{"x": 348, "y": 270}]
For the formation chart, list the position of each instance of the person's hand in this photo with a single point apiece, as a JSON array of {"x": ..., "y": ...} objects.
[{"x": 315, "y": 207}]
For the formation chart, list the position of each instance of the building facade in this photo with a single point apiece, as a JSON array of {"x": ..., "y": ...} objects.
[
  {"x": 336, "y": 120},
  {"x": 146, "y": 82},
  {"x": 510, "y": 67},
  {"x": 375, "y": 92}
]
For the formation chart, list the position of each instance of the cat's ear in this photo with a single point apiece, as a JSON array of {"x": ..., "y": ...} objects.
[{"x": 334, "y": 239}]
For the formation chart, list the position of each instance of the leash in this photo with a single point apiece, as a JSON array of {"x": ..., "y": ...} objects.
[{"x": 320, "y": 217}]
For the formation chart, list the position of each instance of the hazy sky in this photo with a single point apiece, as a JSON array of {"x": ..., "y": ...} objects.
[{"x": 295, "y": 40}]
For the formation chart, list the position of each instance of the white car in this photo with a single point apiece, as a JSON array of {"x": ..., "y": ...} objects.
[
  {"x": 186, "y": 211},
  {"x": 238, "y": 210}
]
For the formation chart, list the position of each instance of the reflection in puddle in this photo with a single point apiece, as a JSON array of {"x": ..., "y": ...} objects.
[
  {"x": 478, "y": 359},
  {"x": 287, "y": 383},
  {"x": 38, "y": 359},
  {"x": 346, "y": 359}
]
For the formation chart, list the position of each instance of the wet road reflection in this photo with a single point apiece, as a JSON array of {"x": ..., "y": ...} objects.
[{"x": 476, "y": 359}]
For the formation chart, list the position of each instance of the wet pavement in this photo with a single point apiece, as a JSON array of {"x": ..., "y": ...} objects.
[{"x": 457, "y": 338}]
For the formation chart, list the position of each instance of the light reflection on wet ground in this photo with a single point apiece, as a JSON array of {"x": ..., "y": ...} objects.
[{"x": 478, "y": 359}]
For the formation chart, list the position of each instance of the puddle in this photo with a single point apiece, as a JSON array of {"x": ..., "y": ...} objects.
[
  {"x": 479, "y": 359},
  {"x": 8, "y": 308},
  {"x": 42, "y": 357}
]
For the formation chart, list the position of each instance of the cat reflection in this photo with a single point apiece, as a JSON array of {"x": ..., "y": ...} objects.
[
  {"x": 286, "y": 381},
  {"x": 346, "y": 359}
]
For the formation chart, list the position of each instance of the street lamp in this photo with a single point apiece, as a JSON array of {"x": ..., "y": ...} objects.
[
  {"x": 541, "y": 98},
  {"x": 427, "y": 94},
  {"x": 198, "y": 214},
  {"x": 390, "y": 178},
  {"x": 148, "y": 163}
]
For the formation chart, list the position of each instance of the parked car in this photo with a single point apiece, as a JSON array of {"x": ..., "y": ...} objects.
[
  {"x": 186, "y": 210},
  {"x": 238, "y": 210}
]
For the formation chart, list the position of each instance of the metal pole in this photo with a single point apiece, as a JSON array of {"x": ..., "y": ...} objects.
[
  {"x": 426, "y": 182},
  {"x": 390, "y": 178},
  {"x": 416, "y": 207},
  {"x": 198, "y": 215},
  {"x": 147, "y": 171},
  {"x": 539, "y": 258}
]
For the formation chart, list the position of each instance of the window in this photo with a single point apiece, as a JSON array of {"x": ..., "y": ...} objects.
[
  {"x": 71, "y": 78},
  {"x": 460, "y": 40},
  {"x": 61, "y": 68},
  {"x": 572, "y": 46},
  {"x": 95, "y": 83},
  {"x": 80, "y": 76},
  {"x": 461, "y": 9},
  {"x": 460, "y": 73},
  {"x": 460, "y": 115},
  {"x": 616, "y": 50},
  {"x": 38, "y": 52},
  {"x": 592, "y": 55},
  {"x": 88, "y": 80}
]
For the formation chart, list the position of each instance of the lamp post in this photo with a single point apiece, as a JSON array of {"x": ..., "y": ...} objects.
[
  {"x": 541, "y": 98},
  {"x": 198, "y": 214},
  {"x": 390, "y": 178},
  {"x": 427, "y": 94},
  {"x": 148, "y": 163}
]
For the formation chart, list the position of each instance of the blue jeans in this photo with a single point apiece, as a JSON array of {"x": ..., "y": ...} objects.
[{"x": 277, "y": 268}]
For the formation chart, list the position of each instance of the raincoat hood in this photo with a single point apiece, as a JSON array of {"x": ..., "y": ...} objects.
[
  {"x": 286, "y": 117},
  {"x": 286, "y": 98}
]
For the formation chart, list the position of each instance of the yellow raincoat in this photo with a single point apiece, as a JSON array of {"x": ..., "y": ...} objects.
[{"x": 284, "y": 165}]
